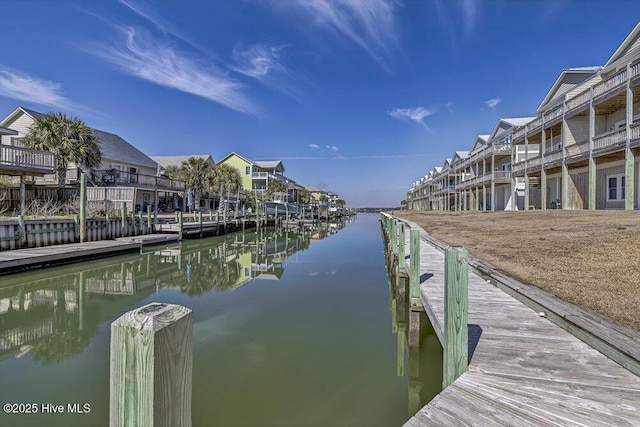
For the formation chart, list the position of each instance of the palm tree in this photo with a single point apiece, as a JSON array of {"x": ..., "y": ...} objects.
[
  {"x": 223, "y": 177},
  {"x": 69, "y": 138},
  {"x": 276, "y": 187},
  {"x": 194, "y": 171},
  {"x": 305, "y": 196}
]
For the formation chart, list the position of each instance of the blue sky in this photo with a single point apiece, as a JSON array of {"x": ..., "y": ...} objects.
[{"x": 358, "y": 97}]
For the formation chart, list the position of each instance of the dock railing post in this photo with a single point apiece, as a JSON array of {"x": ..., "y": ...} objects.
[
  {"x": 83, "y": 207},
  {"x": 414, "y": 267},
  {"x": 151, "y": 367},
  {"x": 456, "y": 285},
  {"x": 123, "y": 219},
  {"x": 402, "y": 265}
]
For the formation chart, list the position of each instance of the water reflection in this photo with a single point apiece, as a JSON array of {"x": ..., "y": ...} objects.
[
  {"x": 422, "y": 364},
  {"x": 54, "y": 314}
]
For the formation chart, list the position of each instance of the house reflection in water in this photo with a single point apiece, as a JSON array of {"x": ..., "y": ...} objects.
[{"x": 54, "y": 314}]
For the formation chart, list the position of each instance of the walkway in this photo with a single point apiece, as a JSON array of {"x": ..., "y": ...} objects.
[
  {"x": 26, "y": 259},
  {"x": 524, "y": 370}
]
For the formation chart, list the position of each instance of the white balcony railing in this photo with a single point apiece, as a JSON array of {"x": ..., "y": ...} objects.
[
  {"x": 580, "y": 100},
  {"x": 534, "y": 162},
  {"x": 609, "y": 139},
  {"x": 577, "y": 149},
  {"x": 501, "y": 175},
  {"x": 555, "y": 113},
  {"x": 25, "y": 159},
  {"x": 635, "y": 131},
  {"x": 534, "y": 125},
  {"x": 611, "y": 83},
  {"x": 635, "y": 69},
  {"x": 519, "y": 167},
  {"x": 553, "y": 156}
]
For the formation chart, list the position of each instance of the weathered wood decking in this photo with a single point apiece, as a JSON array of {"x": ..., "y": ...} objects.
[
  {"x": 524, "y": 369},
  {"x": 25, "y": 259}
]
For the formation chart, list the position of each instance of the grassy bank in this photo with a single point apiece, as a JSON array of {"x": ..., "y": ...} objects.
[{"x": 591, "y": 258}]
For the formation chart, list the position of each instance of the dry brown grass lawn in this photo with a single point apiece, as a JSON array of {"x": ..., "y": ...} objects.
[{"x": 591, "y": 258}]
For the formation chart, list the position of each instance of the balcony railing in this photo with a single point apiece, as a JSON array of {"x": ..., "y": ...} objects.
[
  {"x": 577, "y": 149},
  {"x": 579, "y": 101},
  {"x": 501, "y": 175},
  {"x": 117, "y": 178},
  {"x": 26, "y": 160},
  {"x": 519, "y": 134},
  {"x": 534, "y": 125},
  {"x": 502, "y": 148},
  {"x": 611, "y": 83},
  {"x": 610, "y": 138},
  {"x": 553, "y": 156},
  {"x": 553, "y": 114},
  {"x": 635, "y": 131},
  {"x": 519, "y": 167},
  {"x": 267, "y": 175},
  {"x": 635, "y": 69}
]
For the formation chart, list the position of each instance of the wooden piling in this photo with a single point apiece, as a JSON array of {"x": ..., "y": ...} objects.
[
  {"x": 414, "y": 267},
  {"x": 123, "y": 219},
  {"x": 83, "y": 207},
  {"x": 456, "y": 346},
  {"x": 151, "y": 367}
]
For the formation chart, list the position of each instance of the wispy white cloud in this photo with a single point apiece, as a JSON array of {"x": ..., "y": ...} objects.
[
  {"x": 160, "y": 63},
  {"x": 314, "y": 146},
  {"x": 493, "y": 102},
  {"x": 417, "y": 114},
  {"x": 146, "y": 11},
  {"x": 24, "y": 87},
  {"x": 264, "y": 63},
  {"x": 449, "y": 106},
  {"x": 469, "y": 9},
  {"x": 332, "y": 148},
  {"x": 370, "y": 24}
]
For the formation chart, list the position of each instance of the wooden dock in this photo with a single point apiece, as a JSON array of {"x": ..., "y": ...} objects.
[
  {"x": 28, "y": 259},
  {"x": 523, "y": 369}
]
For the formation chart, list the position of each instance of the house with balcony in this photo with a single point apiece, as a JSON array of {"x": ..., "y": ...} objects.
[
  {"x": 579, "y": 152},
  {"x": 588, "y": 132},
  {"x": 257, "y": 174},
  {"x": 19, "y": 163},
  {"x": 207, "y": 200},
  {"x": 126, "y": 174}
]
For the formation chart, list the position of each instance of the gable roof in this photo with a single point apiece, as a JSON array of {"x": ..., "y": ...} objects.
[
  {"x": 479, "y": 142},
  {"x": 459, "y": 155},
  {"x": 568, "y": 78},
  {"x": 506, "y": 124},
  {"x": 631, "y": 43},
  {"x": 270, "y": 164},
  {"x": 166, "y": 161},
  {"x": 266, "y": 164},
  {"x": 112, "y": 146}
]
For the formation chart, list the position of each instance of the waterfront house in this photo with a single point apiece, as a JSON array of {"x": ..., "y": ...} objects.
[
  {"x": 125, "y": 175},
  {"x": 257, "y": 174},
  {"x": 578, "y": 152},
  {"x": 207, "y": 200}
]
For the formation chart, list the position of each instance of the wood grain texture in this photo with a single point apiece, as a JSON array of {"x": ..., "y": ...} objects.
[
  {"x": 526, "y": 370},
  {"x": 151, "y": 367},
  {"x": 456, "y": 346}
]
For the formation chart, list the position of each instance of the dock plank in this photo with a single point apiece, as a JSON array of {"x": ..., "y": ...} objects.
[
  {"x": 25, "y": 259},
  {"x": 525, "y": 370}
]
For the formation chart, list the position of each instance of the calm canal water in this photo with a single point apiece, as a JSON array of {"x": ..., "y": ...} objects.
[{"x": 289, "y": 330}]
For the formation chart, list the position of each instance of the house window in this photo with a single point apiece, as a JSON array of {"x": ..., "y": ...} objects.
[
  {"x": 247, "y": 170},
  {"x": 615, "y": 187},
  {"x": 17, "y": 141}
]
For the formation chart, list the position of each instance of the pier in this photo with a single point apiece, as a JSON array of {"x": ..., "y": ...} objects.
[
  {"x": 523, "y": 369},
  {"x": 27, "y": 259}
]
